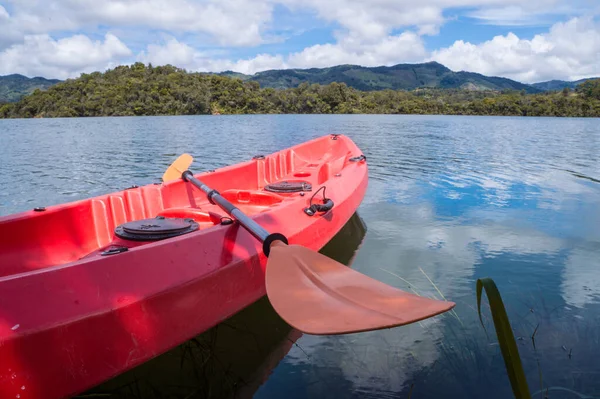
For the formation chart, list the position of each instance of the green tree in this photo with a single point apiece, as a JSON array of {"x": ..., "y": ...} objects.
[{"x": 590, "y": 89}]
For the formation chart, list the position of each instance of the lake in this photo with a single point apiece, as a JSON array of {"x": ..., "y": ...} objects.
[{"x": 450, "y": 200}]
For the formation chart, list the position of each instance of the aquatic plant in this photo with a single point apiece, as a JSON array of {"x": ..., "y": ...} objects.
[{"x": 506, "y": 338}]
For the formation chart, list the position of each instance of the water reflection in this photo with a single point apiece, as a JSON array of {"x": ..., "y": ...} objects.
[
  {"x": 450, "y": 355},
  {"x": 580, "y": 284},
  {"x": 230, "y": 360}
]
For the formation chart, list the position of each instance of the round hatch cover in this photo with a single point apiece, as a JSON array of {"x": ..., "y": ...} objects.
[
  {"x": 158, "y": 228},
  {"x": 289, "y": 186}
]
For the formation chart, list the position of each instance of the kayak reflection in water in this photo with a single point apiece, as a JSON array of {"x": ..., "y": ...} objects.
[{"x": 232, "y": 359}]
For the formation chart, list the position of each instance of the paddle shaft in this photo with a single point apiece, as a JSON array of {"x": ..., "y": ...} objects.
[{"x": 254, "y": 228}]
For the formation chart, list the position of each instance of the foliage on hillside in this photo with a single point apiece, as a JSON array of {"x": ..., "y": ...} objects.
[
  {"x": 166, "y": 90},
  {"x": 590, "y": 89}
]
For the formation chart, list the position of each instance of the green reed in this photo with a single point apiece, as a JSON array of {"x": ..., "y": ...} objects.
[{"x": 506, "y": 339}]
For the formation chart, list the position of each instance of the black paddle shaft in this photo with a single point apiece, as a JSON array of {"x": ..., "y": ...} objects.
[{"x": 254, "y": 228}]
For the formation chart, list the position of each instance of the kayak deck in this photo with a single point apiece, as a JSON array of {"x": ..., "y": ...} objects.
[{"x": 67, "y": 233}]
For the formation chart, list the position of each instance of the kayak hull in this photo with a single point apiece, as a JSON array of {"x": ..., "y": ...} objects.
[{"x": 77, "y": 309}]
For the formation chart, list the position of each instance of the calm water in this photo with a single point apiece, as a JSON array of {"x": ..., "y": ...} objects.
[{"x": 450, "y": 200}]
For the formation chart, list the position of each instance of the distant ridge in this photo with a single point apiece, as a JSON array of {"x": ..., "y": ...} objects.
[
  {"x": 397, "y": 77},
  {"x": 14, "y": 87},
  {"x": 555, "y": 85}
]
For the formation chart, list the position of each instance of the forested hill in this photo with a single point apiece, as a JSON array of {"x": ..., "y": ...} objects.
[
  {"x": 397, "y": 77},
  {"x": 555, "y": 85},
  {"x": 166, "y": 90},
  {"x": 14, "y": 87}
]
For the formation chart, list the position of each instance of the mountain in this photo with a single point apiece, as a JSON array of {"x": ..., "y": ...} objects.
[
  {"x": 13, "y": 87},
  {"x": 397, "y": 77},
  {"x": 555, "y": 85}
]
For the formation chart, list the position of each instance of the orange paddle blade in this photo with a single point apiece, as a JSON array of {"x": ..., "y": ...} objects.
[
  {"x": 180, "y": 165},
  {"x": 317, "y": 295}
]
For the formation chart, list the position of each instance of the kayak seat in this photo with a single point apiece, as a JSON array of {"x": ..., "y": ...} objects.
[
  {"x": 252, "y": 202},
  {"x": 251, "y": 197},
  {"x": 196, "y": 214}
]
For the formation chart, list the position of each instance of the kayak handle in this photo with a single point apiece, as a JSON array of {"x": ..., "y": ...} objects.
[
  {"x": 324, "y": 207},
  {"x": 254, "y": 228}
]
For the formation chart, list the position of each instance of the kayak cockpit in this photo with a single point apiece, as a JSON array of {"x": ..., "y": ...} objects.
[{"x": 64, "y": 234}]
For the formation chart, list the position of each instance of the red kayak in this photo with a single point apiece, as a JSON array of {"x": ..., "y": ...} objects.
[{"x": 92, "y": 288}]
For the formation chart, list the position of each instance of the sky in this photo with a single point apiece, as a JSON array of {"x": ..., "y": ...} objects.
[{"x": 529, "y": 41}]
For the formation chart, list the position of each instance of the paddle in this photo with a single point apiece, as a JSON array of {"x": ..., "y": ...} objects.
[{"x": 314, "y": 293}]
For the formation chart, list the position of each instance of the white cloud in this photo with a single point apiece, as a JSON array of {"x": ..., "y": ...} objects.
[
  {"x": 570, "y": 50},
  {"x": 375, "y": 20},
  {"x": 390, "y": 50},
  {"x": 507, "y": 16},
  {"x": 40, "y": 55},
  {"x": 537, "y": 12},
  {"x": 173, "y": 52},
  {"x": 8, "y": 33},
  {"x": 259, "y": 63},
  {"x": 228, "y": 22},
  {"x": 366, "y": 39},
  {"x": 406, "y": 47},
  {"x": 246, "y": 22},
  {"x": 3, "y": 13},
  {"x": 182, "y": 55}
]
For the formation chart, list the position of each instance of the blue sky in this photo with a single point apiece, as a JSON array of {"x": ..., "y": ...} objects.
[{"x": 529, "y": 41}]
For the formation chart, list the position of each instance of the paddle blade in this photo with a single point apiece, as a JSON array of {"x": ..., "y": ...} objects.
[
  {"x": 317, "y": 295},
  {"x": 180, "y": 165}
]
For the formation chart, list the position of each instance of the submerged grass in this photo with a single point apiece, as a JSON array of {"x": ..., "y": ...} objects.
[{"x": 442, "y": 295}]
